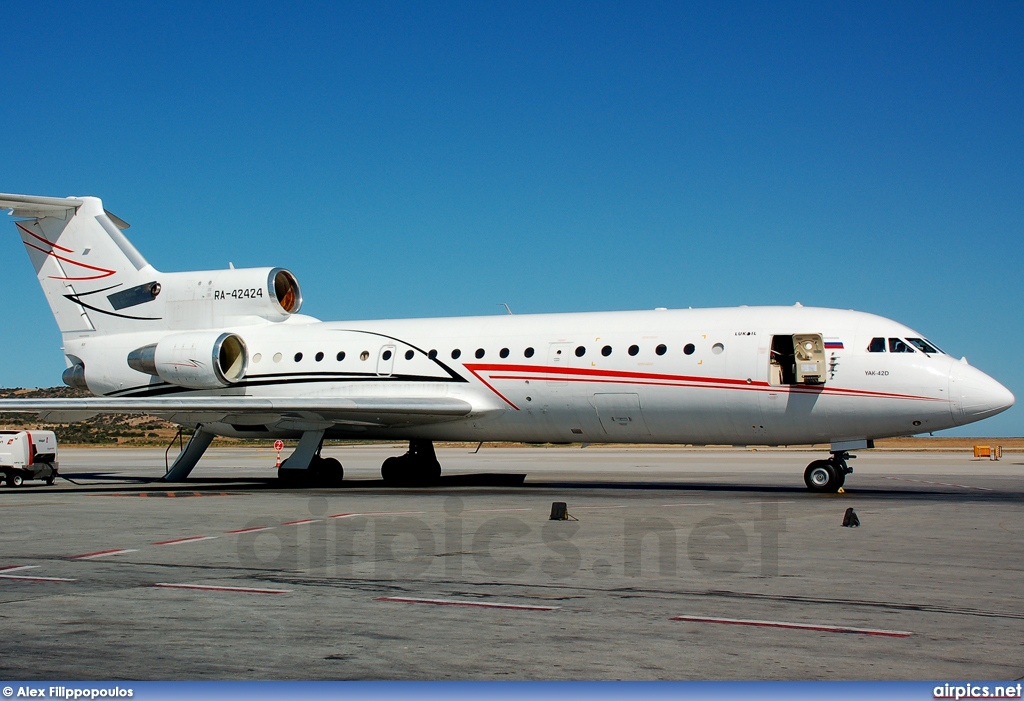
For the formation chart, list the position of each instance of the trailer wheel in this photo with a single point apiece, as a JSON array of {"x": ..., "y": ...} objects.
[
  {"x": 14, "y": 479},
  {"x": 51, "y": 479}
]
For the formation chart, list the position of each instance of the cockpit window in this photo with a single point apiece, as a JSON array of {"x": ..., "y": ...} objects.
[
  {"x": 877, "y": 345},
  {"x": 923, "y": 346},
  {"x": 898, "y": 345}
]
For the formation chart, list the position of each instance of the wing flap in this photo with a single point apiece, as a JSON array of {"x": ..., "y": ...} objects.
[{"x": 370, "y": 411}]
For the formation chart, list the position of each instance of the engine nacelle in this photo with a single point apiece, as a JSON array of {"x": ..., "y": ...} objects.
[
  {"x": 212, "y": 298},
  {"x": 197, "y": 360}
]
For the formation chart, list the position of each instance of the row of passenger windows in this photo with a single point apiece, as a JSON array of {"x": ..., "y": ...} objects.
[
  {"x": 660, "y": 349},
  {"x": 898, "y": 345},
  {"x": 580, "y": 351}
]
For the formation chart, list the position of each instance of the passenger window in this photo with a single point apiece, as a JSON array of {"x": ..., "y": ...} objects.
[
  {"x": 877, "y": 345},
  {"x": 898, "y": 345},
  {"x": 479, "y": 353},
  {"x": 633, "y": 350},
  {"x": 580, "y": 351},
  {"x": 409, "y": 355},
  {"x": 606, "y": 351},
  {"x": 661, "y": 349},
  {"x": 456, "y": 353},
  {"x": 432, "y": 354},
  {"x": 528, "y": 352},
  {"x": 341, "y": 356},
  {"x": 503, "y": 352},
  {"x": 689, "y": 348}
]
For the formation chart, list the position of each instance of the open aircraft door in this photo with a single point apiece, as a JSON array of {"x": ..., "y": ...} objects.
[
  {"x": 809, "y": 349},
  {"x": 798, "y": 360}
]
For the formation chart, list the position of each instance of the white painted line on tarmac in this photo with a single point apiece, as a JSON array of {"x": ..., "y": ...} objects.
[
  {"x": 687, "y": 504},
  {"x": 941, "y": 484},
  {"x": 388, "y": 513},
  {"x": 302, "y": 522},
  {"x": 31, "y": 578},
  {"x": 767, "y": 502},
  {"x": 210, "y": 587},
  {"x": 253, "y": 529},
  {"x": 469, "y": 604},
  {"x": 821, "y": 627},
  {"x": 182, "y": 541},
  {"x": 494, "y": 511},
  {"x": 618, "y": 506},
  {"x": 103, "y": 553},
  {"x": 16, "y": 568}
]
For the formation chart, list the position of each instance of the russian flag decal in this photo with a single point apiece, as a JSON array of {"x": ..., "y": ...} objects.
[{"x": 834, "y": 344}]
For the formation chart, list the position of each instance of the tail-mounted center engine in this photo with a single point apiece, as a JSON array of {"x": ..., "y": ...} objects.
[
  {"x": 236, "y": 294},
  {"x": 197, "y": 360}
]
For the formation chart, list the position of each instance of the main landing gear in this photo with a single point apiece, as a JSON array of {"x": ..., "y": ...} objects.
[
  {"x": 417, "y": 468},
  {"x": 828, "y": 475},
  {"x": 307, "y": 468}
]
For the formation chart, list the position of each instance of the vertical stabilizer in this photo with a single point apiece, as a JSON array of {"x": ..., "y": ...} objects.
[{"x": 94, "y": 279}]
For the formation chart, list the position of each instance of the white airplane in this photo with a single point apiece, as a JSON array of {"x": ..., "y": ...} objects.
[{"x": 226, "y": 352}]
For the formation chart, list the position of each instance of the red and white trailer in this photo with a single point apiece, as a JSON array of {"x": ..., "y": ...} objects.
[{"x": 28, "y": 455}]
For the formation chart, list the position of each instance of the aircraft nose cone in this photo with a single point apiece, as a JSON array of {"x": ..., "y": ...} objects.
[{"x": 979, "y": 395}]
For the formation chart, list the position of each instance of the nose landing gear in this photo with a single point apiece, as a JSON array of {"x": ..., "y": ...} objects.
[{"x": 828, "y": 475}]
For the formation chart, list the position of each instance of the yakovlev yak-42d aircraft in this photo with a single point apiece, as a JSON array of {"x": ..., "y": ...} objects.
[{"x": 226, "y": 352}]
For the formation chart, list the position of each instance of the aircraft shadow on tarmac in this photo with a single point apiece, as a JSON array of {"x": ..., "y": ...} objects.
[{"x": 109, "y": 483}]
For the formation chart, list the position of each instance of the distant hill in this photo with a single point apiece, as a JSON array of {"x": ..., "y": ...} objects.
[{"x": 105, "y": 429}]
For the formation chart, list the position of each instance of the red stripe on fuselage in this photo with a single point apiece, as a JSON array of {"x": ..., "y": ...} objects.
[{"x": 596, "y": 376}]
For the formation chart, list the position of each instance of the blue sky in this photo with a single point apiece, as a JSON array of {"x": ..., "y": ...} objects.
[{"x": 430, "y": 159}]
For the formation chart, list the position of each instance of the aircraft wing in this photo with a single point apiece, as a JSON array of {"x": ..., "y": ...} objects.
[{"x": 282, "y": 412}]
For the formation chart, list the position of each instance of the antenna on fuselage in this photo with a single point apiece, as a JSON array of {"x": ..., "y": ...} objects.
[{"x": 506, "y": 307}]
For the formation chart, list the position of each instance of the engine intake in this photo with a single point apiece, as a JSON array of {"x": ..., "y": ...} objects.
[{"x": 198, "y": 360}]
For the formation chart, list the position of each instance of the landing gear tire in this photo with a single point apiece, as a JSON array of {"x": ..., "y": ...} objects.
[
  {"x": 822, "y": 476},
  {"x": 328, "y": 472},
  {"x": 417, "y": 468},
  {"x": 322, "y": 472}
]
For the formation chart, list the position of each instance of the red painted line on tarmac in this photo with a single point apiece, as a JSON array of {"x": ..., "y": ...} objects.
[
  {"x": 102, "y": 553},
  {"x": 253, "y": 529},
  {"x": 941, "y": 484},
  {"x": 468, "y": 604},
  {"x": 15, "y": 568},
  {"x": 623, "y": 506},
  {"x": 387, "y": 513},
  {"x": 820, "y": 627},
  {"x": 189, "y": 539},
  {"x": 30, "y": 578},
  {"x": 301, "y": 522},
  {"x": 208, "y": 587},
  {"x": 687, "y": 504},
  {"x": 342, "y": 516}
]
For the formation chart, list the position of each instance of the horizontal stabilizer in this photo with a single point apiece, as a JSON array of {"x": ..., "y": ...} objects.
[{"x": 35, "y": 206}]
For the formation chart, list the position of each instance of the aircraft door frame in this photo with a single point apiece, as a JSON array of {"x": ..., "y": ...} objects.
[{"x": 386, "y": 365}]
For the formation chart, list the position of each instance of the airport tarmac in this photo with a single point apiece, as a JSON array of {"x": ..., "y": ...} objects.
[{"x": 683, "y": 564}]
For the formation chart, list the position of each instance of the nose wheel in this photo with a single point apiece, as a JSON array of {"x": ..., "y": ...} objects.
[{"x": 828, "y": 476}]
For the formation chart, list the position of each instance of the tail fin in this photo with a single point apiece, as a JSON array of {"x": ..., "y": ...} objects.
[{"x": 93, "y": 278}]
